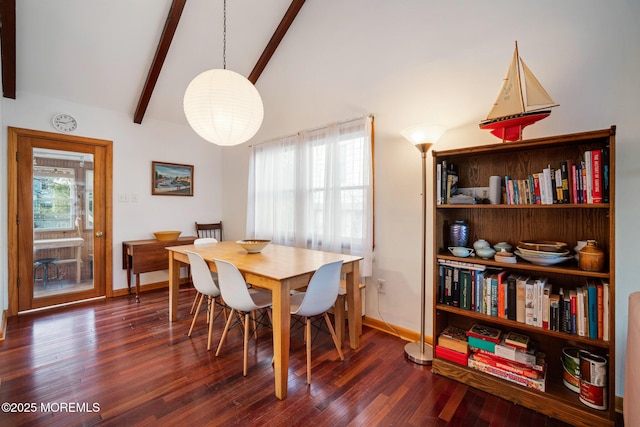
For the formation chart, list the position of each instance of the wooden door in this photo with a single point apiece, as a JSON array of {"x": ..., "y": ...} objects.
[{"x": 59, "y": 218}]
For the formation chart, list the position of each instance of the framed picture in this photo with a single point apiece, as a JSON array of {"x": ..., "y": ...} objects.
[{"x": 171, "y": 179}]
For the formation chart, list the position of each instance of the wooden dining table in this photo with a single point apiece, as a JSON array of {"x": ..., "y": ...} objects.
[{"x": 279, "y": 269}]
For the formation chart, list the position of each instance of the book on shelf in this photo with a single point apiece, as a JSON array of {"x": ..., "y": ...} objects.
[
  {"x": 465, "y": 289},
  {"x": 554, "y": 312},
  {"x": 537, "y": 384},
  {"x": 546, "y": 307},
  {"x": 454, "y": 338},
  {"x": 529, "y": 357},
  {"x": 439, "y": 183},
  {"x": 588, "y": 176},
  {"x": 507, "y": 365},
  {"x": 529, "y": 301},
  {"x": 455, "y": 286},
  {"x": 451, "y": 355},
  {"x": 485, "y": 333},
  {"x": 516, "y": 340},
  {"x": 605, "y": 310},
  {"x": 573, "y": 304},
  {"x": 511, "y": 296},
  {"x": 596, "y": 175},
  {"x": 521, "y": 282},
  {"x": 593, "y": 309},
  {"x": 579, "y": 311},
  {"x": 448, "y": 285},
  {"x": 600, "y": 309},
  {"x": 476, "y": 343},
  {"x": 605, "y": 174}
]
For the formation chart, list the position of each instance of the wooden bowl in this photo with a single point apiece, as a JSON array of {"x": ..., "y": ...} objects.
[
  {"x": 167, "y": 235},
  {"x": 543, "y": 245},
  {"x": 253, "y": 246}
]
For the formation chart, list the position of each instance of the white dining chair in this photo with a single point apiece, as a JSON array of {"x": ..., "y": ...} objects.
[
  {"x": 319, "y": 297},
  {"x": 199, "y": 242},
  {"x": 206, "y": 287},
  {"x": 242, "y": 300}
]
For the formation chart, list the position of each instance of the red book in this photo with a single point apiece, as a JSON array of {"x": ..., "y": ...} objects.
[
  {"x": 596, "y": 175},
  {"x": 485, "y": 333},
  {"x": 451, "y": 355},
  {"x": 501, "y": 293},
  {"x": 508, "y": 366},
  {"x": 574, "y": 184}
]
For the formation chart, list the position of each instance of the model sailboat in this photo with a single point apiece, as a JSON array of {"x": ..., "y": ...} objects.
[{"x": 511, "y": 112}]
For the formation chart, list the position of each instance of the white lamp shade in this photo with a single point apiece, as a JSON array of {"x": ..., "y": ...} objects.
[
  {"x": 423, "y": 134},
  {"x": 223, "y": 107}
]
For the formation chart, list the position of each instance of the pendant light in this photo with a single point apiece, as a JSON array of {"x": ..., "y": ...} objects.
[{"x": 221, "y": 105}]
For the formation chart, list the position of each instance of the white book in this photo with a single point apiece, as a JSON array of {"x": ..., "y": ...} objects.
[
  {"x": 579, "y": 312},
  {"x": 528, "y": 302},
  {"x": 546, "y": 309},
  {"x": 587, "y": 163}
]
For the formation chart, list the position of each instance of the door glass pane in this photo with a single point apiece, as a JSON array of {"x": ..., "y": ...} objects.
[{"x": 62, "y": 222}]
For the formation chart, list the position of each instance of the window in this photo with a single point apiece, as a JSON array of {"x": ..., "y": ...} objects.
[
  {"x": 315, "y": 190},
  {"x": 54, "y": 193}
]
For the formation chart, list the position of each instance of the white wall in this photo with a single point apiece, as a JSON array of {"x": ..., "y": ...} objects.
[
  {"x": 442, "y": 62},
  {"x": 134, "y": 148}
]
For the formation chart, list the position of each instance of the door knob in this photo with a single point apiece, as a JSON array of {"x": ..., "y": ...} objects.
[{"x": 99, "y": 233}]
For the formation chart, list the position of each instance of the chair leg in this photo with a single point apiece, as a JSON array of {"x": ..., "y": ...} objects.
[
  {"x": 224, "y": 333},
  {"x": 333, "y": 335},
  {"x": 195, "y": 315},
  {"x": 246, "y": 345},
  {"x": 212, "y": 306},
  {"x": 307, "y": 334},
  {"x": 195, "y": 300}
]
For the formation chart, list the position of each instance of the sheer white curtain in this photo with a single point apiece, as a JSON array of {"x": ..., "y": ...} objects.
[{"x": 315, "y": 190}]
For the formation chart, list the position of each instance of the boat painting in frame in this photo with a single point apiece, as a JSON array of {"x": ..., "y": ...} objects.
[{"x": 171, "y": 179}]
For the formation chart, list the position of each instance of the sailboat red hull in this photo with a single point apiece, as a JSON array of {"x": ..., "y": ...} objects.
[{"x": 510, "y": 128}]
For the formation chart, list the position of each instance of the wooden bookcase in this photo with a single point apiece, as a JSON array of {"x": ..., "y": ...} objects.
[{"x": 513, "y": 223}]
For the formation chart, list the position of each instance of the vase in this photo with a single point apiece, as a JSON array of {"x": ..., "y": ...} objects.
[
  {"x": 591, "y": 257},
  {"x": 459, "y": 233}
]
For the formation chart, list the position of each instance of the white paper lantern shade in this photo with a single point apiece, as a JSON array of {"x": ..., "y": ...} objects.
[{"x": 223, "y": 107}]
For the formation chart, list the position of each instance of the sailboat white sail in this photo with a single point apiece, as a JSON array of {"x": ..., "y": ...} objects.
[{"x": 511, "y": 112}]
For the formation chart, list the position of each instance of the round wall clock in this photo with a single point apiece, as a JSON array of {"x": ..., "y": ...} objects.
[{"x": 64, "y": 122}]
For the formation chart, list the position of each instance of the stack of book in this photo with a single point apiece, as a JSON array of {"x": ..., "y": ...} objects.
[
  {"x": 511, "y": 357},
  {"x": 453, "y": 346}
]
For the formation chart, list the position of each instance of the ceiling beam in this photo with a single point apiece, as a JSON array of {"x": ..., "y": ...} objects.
[
  {"x": 158, "y": 60},
  {"x": 277, "y": 37},
  {"x": 8, "y": 36}
]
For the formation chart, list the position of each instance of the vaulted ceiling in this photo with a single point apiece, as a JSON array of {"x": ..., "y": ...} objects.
[{"x": 136, "y": 56}]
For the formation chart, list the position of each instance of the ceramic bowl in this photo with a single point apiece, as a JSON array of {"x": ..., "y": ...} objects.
[
  {"x": 502, "y": 245},
  {"x": 167, "y": 235},
  {"x": 460, "y": 251},
  {"x": 253, "y": 246},
  {"x": 480, "y": 243},
  {"x": 485, "y": 253}
]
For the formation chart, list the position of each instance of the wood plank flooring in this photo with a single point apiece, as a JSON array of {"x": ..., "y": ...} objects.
[{"x": 118, "y": 363}]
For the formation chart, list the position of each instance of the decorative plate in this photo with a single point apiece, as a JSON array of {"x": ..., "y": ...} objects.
[
  {"x": 542, "y": 260},
  {"x": 542, "y": 245},
  {"x": 542, "y": 254}
]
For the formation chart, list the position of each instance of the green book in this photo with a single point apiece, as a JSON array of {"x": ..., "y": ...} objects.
[{"x": 482, "y": 344}]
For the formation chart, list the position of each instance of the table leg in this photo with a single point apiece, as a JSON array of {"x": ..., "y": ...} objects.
[
  {"x": 354, "y": 302},
  {"x": 281, "y": 336},
  {"x": 138, "y": 287},
  {"x": 174, "y": 285}
]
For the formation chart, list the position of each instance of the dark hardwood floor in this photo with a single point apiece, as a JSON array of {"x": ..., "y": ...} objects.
[{"x": 118, "y": 363}]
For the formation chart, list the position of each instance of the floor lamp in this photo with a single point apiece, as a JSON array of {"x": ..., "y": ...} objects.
[{"x": 423, "y": 137}]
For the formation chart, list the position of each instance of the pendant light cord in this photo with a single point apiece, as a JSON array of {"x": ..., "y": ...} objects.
[{"x": 224, "y": 35}]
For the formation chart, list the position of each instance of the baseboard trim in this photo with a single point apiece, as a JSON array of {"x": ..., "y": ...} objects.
[
  {"x": 3, "y": 325},
  {"x": 146, "y": 287},
  {"x": 398, "y": 331}
]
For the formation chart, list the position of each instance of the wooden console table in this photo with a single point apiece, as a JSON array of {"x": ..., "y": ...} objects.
[{"x": 144, "y": 256}]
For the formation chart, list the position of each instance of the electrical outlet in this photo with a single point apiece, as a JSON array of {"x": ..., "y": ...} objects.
[{"x": 381, "y": 286}]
